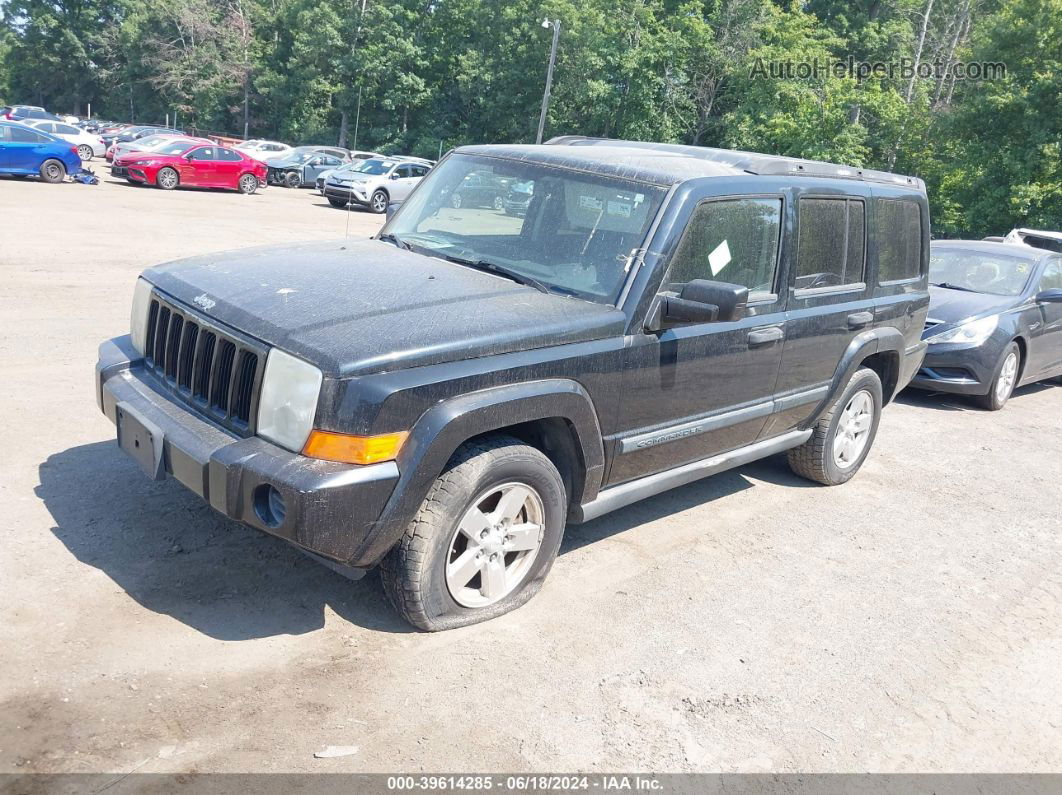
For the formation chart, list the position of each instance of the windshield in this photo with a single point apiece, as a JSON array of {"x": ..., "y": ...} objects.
[
  {"x": 577, "y": 235},
  {"x": 371, "y": 167},
  {"x": 979, "y": 271},
  {"x": 175, "y": 148}
]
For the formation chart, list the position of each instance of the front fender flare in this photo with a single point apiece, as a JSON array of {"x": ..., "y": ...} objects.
[{"x": 447, "y": 425}]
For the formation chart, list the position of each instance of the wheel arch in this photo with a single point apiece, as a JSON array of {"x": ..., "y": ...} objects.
[
  {"x": 556, "y": 416},
  {"x": 881, "y": 350}
]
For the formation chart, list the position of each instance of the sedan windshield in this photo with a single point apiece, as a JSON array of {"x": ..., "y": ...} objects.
[
  {"x": 577, "y": 236},
  {"x": 979, "y": 271}
]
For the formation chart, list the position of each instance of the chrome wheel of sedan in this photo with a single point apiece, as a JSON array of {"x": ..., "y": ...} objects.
[
  {"x": 495, "y": 544},
  {"x": 1008, "y": 375},
  {"x": 84, "y": 151},
  {"x": 167, "y": 179},
  {"x": 853, "y": 429}
]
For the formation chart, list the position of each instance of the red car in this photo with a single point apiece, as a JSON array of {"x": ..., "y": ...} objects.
[{"x": 197, "y": 166}]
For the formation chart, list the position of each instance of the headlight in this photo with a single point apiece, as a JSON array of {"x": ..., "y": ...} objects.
[
  {"x": 973, "y": 333},
  {"x": 138, "y": 316},
  {"x": 288, "y": 402}
]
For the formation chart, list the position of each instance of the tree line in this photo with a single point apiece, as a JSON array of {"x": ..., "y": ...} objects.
[{"x": 422, "y": 76}]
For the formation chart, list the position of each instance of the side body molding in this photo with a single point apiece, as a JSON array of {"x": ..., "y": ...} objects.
[{"x": 445, "y": 426}]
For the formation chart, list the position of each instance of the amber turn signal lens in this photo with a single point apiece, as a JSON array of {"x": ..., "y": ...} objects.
[{"x": 348, "y": 449}]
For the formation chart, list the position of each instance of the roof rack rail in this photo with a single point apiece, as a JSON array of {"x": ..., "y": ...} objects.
[{"x": 752, "y": 162}]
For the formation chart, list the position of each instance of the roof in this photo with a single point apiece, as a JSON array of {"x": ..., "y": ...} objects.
[
  {"x": 1011, "y": 249},
  {"x": 1036, "y": 233},
  {"x": 634, "y": 163},
  {"x": 749, "y": 162}
]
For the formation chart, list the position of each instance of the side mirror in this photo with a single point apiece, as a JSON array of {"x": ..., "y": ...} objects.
[
  {"x": 700, "y": 301},
  {"x": 394, "y": 176},
  {"x": 392, "y": 208},
  {"x": 1052, "y": 295}
]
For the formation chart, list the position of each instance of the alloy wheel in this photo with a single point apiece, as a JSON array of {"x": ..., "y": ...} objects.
[
  {"x": 379, "y": 202},
  {"x": 1008, "y": 375},
  {"x": 495, "y": 544},
  {"x": 84, "y": 152},
  {"x": 853, "y": 429}
]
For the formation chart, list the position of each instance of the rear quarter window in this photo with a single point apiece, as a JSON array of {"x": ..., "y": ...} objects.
[{"x": 898, "y": 229}]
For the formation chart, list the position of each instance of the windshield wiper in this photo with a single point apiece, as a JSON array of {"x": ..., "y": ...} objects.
[
  {"x": 390, "y": 238},
  {"x": 951, "y": 286},
  {"x": 500, "y": 270}
]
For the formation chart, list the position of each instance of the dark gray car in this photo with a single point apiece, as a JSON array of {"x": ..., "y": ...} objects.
[{"x": 995, "y": 319}]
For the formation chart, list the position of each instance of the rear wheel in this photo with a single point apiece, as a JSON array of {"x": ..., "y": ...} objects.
[
  {"x": 378, "y": 202},
  {"x": 842, "y": 438},
  {"x": 1005, "y": 380},
  {"x": 52, "y": 171},
  {"x": 84, "y": 151},
  {"x": 248, "y": 184},
  {"x": 484, "y": 539},
  {"x": 167, "y": 178}
]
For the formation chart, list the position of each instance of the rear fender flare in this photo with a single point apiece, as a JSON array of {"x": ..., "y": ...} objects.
[
  {"x": 866, "y": 343},
  {"x": 449, "y": 424}
]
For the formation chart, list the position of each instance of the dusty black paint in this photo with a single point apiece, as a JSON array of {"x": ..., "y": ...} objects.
[{"x": 409, "y": 342}]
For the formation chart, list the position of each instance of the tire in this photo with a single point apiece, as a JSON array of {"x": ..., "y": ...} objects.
[
  {"x": 248, "y": 184},
  {"x": 84, "y": 151},
  {"x": 378, "y": 202},
  {"x": 826, "y": 458},
  {"x": 499, "y": 203},
  {"x": 167, "y": 178},
  {"x": 52, "y": 171},
  {"x": 455, "y": 201},
  {"x": 339, "y": 203},
  {"x": 1003, "y": 382},
  {"x": 292, "y": 180},
  {"x": 419, "y": 574}
]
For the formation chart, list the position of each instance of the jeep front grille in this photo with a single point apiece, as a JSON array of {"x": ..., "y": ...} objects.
[{"x": 215, "y": 370}]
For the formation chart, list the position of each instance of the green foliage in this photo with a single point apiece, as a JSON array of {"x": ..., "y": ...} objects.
[{"x": 422, "y": 76}]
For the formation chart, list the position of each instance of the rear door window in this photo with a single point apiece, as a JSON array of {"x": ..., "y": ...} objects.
[
  {"x": 898, "y": 233},
  {"x": 24, "y": 135},
  {"x": 831, "y": 243},
  {"x": 228, "y": 154}
]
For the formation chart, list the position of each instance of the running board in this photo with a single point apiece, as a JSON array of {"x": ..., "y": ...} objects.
[{"x": 626, "y": 493}]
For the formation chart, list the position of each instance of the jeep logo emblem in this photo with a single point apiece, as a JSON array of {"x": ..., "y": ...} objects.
[{"x": 204, "y": 301}]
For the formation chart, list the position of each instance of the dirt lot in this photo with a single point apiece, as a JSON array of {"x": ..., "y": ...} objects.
[{"x": 909, "y": 621}]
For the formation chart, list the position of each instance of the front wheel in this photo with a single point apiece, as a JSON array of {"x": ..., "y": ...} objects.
[
  {"x": 484, "y": 539},
  {"x": 841, "y": 439},
  {"x": 248, "y": 184},
  {"x": 52, "y": 171},
  {"x": 293, "y": 179},
  {"x": 167, "y": 179},
  {"x": 338, "y": 203},
  {"x": 84, "y": 151},
  {"x": 1005, "y": 380},
  {"x": 378, "y": 202},
  {"x": 499, "y": 203}
]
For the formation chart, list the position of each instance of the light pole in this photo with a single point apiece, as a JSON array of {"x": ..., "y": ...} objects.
[{"x": 556, "y": 25}]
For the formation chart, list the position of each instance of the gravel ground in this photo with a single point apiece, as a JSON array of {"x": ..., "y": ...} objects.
[{"x": 908, "y": 621}]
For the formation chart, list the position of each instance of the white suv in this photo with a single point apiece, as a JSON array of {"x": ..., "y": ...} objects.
[{"x": 375, "y": 182}]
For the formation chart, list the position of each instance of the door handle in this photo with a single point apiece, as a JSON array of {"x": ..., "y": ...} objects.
[
  {"x": 765, "y": 336},
  {"x": 860, "y": 319}
]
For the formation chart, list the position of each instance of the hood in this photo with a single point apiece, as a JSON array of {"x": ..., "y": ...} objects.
[
  {"x": 283, "y": 161},
  {"x": 357, "y": 307},
  {"x": 951, "y": 307}
]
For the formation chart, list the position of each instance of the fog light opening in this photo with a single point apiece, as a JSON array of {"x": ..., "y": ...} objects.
[{"x": 269, "y": 505}]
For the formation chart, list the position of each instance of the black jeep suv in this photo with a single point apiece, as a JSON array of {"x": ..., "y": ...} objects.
[{"x": 442, "y": 399}]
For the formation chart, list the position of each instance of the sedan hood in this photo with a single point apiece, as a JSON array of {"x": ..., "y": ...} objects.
[
  {"x": 354, "y": 308},
  {"x": 956, "y": 306}
]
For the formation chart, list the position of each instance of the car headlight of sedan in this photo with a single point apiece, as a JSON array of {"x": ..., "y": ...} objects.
[
  {"x": 973, "y": 333},
  {"x": 288, "y": 402},
  {"x": 138, "y": 316}
]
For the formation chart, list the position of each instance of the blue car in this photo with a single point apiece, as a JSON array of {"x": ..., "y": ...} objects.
[{"x": 24, "y": 151}]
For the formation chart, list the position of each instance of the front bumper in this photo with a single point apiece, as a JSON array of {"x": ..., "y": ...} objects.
[
  {"x": 958, "y": 369},
  {"x": 351, "y": 195},
  {"x": 119, "y": 171},
  {"x": 330, "y": 508}
]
